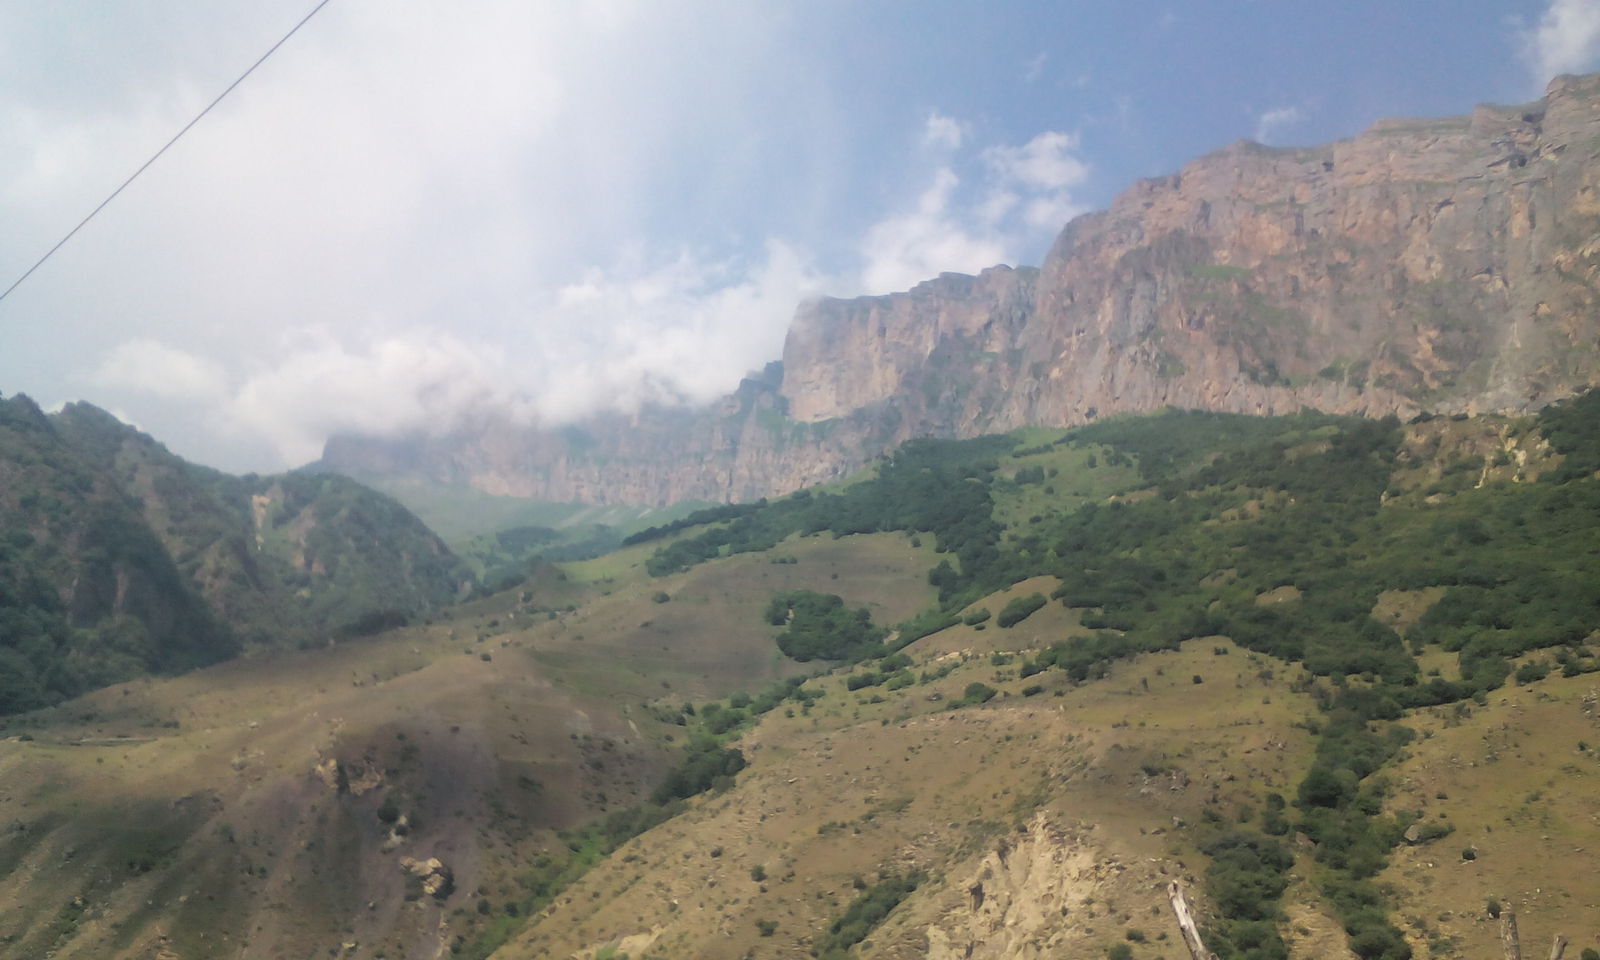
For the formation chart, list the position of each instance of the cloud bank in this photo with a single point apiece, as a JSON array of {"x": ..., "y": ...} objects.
[
  {"x": 644, "y": 329},
  {"x": 1565, "y": 40},
  {"x": 416, "y": 211}
]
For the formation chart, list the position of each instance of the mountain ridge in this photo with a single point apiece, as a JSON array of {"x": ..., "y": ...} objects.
[
  {"x": 1446, "y": 265},
  {"x": 119, "y": 558}
]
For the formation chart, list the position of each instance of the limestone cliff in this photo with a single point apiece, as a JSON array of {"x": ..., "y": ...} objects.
[{"x": 1448, "y": 265}]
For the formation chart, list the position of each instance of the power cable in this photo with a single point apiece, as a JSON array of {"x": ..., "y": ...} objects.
[{"x": 198, "y": 117}]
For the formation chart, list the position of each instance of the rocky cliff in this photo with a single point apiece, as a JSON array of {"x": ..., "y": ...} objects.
[{"x": 1450, "y": 265}]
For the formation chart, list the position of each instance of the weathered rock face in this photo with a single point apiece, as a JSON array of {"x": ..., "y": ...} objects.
[
  {"x": 742, "y": 448},
  {"x": 844, "y": 355},
  {"x": 1449, "y": 265},
  {"x": 1012, "y": 906}
]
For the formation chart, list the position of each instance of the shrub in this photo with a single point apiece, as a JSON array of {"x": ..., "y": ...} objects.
[
  {"x": 1380, "y": 941},
  {"x": 1533, "y": 671},
  {"x": 821, "y": 627},
  {"x": 1434, "y": 831},
  {"x": 1020, "y": 609},
  {"x": 977, "y": 692},
  {"x": 864, "y": 913},
  {"x": 1323, "y": 787},
  {"x": 767, "y": 927},
  {"x": 704, "y": 762},
  {"x": 925, "y": 623},
  {"x": 389, "y": 811}
]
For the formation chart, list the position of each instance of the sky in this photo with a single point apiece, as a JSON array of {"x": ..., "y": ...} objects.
[{"x": 416, "y": 212}]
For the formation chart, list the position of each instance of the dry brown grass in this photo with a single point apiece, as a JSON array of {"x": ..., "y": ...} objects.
[
  {"x": 1511, "y": 779},
  {"x": 491, "y": 730}
]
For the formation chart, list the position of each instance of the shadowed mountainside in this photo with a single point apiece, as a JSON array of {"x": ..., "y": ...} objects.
[{"x": 119, "y": 558}]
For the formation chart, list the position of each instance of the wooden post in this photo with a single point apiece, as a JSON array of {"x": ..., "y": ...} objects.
[
  {"x": 1558, "y": 946},
  {"x": 1508, "y": 935},
  {"x": 1191, "y": 932}
]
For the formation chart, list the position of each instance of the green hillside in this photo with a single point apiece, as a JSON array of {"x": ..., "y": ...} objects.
[
  {"x": 88, "y": 594},
  {"x": 120, "y": 558},
  {"x": 1334, "y": 676},
  {"x": 499, "y": 537}
]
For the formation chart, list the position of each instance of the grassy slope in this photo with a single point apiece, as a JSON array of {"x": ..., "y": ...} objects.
[
  {"x": 458, "y": 513},
  {"x": 700, "y": 904},
  {"x": 187, "y": 812},
  {"x": 852, "y": 787},
  {"x": 1069, "y": 806},
  {"x": 1513, "y": 781}
]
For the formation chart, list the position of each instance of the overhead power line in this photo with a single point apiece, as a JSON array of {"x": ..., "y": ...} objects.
[{"x": 157, "y": 155}]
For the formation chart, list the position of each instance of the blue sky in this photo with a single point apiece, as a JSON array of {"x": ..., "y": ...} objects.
[{"x": 422, "y": 212}]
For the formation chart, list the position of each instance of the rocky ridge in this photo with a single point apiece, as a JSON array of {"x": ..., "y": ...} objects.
[{"x": 1449, "y": 265}]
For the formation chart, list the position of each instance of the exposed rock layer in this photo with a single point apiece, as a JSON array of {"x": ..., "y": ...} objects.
[{"x": 1450, "y": 265}]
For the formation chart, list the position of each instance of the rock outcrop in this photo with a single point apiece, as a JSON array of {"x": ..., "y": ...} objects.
[
  {"x": 1014, "y": 904},
  {"x": 1450, "y": 265}
]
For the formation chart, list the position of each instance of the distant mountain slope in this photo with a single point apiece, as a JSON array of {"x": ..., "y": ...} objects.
[
  {"x": 1447, "y": 265},
  {"x": 118, "y": 558}
]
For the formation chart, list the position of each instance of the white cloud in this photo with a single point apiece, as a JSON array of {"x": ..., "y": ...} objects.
[
  {"x": 1565, "y": 40},
  {"x": 1024, "y": 193},
  {"x": 430, "y": 205},
  {"x": 942, "y": 132},
  {"x": 1271, "y": 123},
  {"x": 902, "y": 250},
  {"x": 412, "y": 380},
  {"x": 1044, "y": 163},
  {"x": 146, "y": 366},
  {"x": 678, "y": 332},
  {"x": 396, "y": 168},
  {"x": 1044, "y": 171},
  {"x": 1051, "y": 212},
  {"x": 993, "y": 209}
]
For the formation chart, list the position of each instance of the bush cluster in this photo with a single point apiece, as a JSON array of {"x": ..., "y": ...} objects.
[{"x": 864, "y": 913}]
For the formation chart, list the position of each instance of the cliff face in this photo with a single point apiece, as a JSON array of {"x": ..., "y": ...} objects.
[
  {"x": 1449, "y": 265},
  {"x": 734, "y": 450}
]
